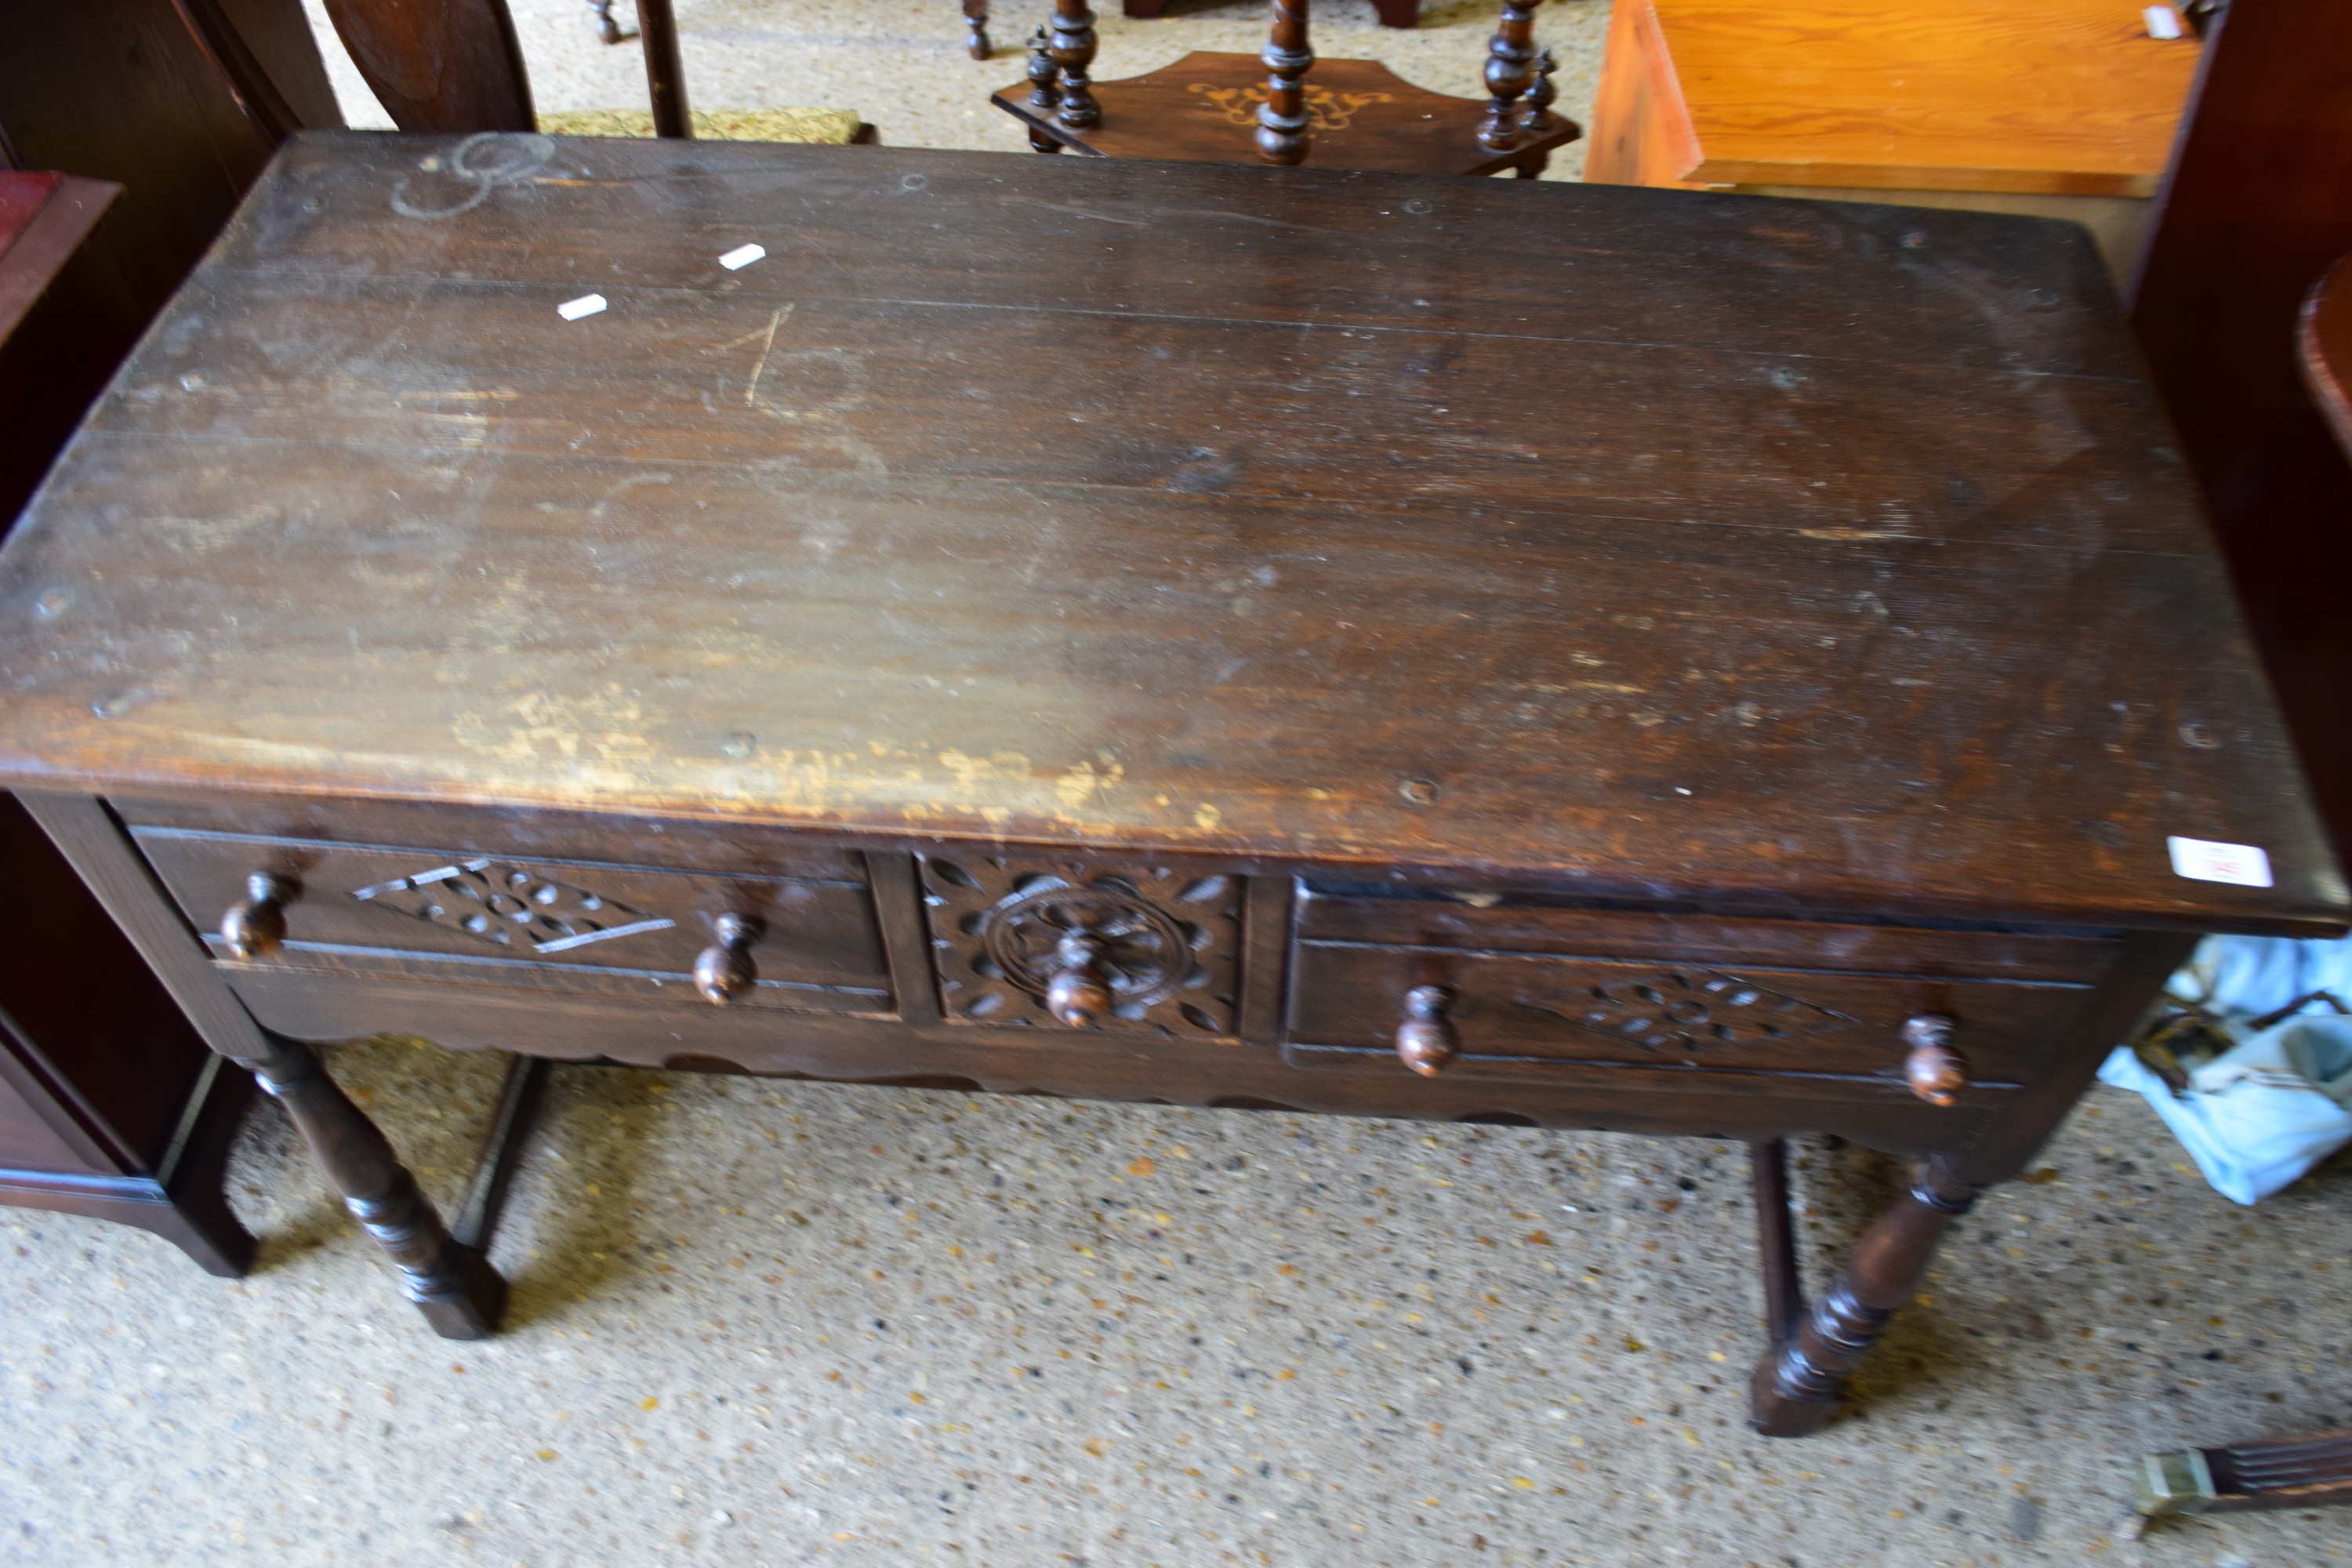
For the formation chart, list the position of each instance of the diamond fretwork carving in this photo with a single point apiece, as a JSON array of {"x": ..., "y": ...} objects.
[
  {"x": 510, "y": 906},
  {"x": 1687, "y": 1011},
  {"x": 1169, "y": 940}
]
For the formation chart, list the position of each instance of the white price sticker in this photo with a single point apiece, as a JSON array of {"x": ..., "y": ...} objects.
[
  {"x": 586, "y": 305},
  {"x": 2202, "y": 861},
  {"x": 743, "y": 256}
]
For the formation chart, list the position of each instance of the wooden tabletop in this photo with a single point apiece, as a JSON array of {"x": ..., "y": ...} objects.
[
  {"x": 1631, "y": 541},
  {"x": 2069, "y": 97}
]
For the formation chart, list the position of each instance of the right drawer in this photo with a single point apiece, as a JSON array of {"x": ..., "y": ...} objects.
[{"x": 1532, "y": 989}]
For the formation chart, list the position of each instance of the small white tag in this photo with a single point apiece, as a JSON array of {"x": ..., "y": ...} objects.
[
  {"x": 586, "y": 305},
  {"x": 743, "y": 256},
  {"x": 2203, "y": 860},
  {"x": 2164, "y": 22}
]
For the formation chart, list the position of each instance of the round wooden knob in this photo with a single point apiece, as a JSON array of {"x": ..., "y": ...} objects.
[
  {"x": 1935, "y": 1069},
  {"x": 1426, "y": 1040},
  {"x": 724, "y": 972},
  {"x": 1078, "y": 993},
  {"x": 255, "y": 928}
]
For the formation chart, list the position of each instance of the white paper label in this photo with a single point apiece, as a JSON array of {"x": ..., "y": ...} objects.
[
  {"x": 743, "y": 256},
  {"x": 2203, "y": 860},
  {"x": 2163, "y": 22},
  {"x": 586, "y": 305}
]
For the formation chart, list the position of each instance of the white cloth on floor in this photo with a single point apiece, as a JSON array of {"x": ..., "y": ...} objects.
[{"x": 2280, "y": 1101}]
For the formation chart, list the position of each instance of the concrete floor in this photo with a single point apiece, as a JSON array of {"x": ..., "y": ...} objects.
[
  {"x": 762, "y": 1322},
  {"x": 771, "y": 1323},
  {"x": 901, "y": 65}
]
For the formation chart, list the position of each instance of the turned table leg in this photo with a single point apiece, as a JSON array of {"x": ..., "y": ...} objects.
[
  {"x": 459, "y": 1293},
  {"x": 976, "y": 17},
  {"x": 1796, "y": 1384},
  {"x": 1510, "y": 71},
  {"x": 1282, "y": 119}
]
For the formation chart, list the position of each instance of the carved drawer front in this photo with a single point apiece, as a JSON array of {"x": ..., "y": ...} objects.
[
  {"x": 537, "y": 922},
  {"x": 1104, "y": 942},
  {"x": 1490, "y": 922},
  {"x": 1490, "y": 988}
]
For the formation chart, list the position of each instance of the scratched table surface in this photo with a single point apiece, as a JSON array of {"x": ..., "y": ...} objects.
[{"x": 1633, "y": 542}]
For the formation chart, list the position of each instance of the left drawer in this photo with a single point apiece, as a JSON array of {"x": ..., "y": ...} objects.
[{"x": 533, "y": 920}]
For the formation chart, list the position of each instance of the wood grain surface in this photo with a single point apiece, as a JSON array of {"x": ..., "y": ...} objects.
[
  {"x": 1782, "y": 553},
  {"x": 2072, "y": 98}
]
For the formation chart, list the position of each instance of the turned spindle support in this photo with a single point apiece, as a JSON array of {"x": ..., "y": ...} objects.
[
  {"x": 1045, "y": 89},
  {"x": 1542, "y": 93},
  {"x": 975, "y": 18},
  {"x": 1510, "y": 71},
  {"x": 1074, "y": 53},
  {"x": 1282, "y": 119}
]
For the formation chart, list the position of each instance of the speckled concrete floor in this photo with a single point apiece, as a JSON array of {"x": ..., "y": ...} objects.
[
  {"x": 764, "y": 1322},
  {"x": 769, "y": 1323},
  {"x": 901, "y": 65}
]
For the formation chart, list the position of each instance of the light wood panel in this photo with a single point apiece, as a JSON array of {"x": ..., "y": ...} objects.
[{"x": 2069, "y": 97}]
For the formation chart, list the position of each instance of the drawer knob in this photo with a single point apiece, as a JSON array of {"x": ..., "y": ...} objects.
[
  {"x": 1427, "y": 1040},
  {"x": 255, "y": 928},
  {"x": 725, "y": 971},
  {"x": 1078, "y": 993},
  {"x": 1935, "y": 1069}
]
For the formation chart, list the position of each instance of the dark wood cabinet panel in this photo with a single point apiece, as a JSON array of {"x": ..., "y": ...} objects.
[
  {"x": 1483, "y": 919},
  {"x": 127, "y": 91},
  {"x": 111, "y": 1105}
]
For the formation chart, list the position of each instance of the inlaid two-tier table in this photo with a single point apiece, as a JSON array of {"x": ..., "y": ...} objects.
[{"x": 1412, "y": 648}]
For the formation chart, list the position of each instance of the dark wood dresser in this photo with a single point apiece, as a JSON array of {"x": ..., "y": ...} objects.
[
  {"x": 109, "y": 1104},
  {"x": 1350, "y": 643}
]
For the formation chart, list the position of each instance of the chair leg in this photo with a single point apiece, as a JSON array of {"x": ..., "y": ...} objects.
[
  {"x": 1399, "y": 13},
  {"x": 1510, "y": 71},
  {"x": 608, "y": 31},
  {"x": 976, "y": 17},
  {"x": 665, "y": 71},
  {"x": 1282, "y": 119}
]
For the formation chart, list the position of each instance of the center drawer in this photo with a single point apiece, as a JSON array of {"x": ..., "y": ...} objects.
[
  {"x": 1532, "y": 989},
  {"x": 534, "y": 921}
]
